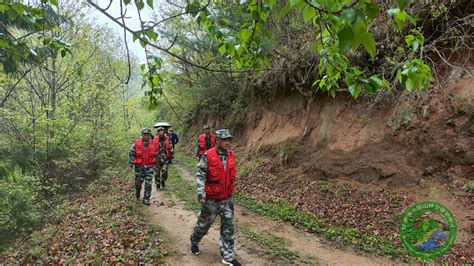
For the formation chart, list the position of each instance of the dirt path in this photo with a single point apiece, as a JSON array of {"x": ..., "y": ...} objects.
[{"x": 179, "y": 222}]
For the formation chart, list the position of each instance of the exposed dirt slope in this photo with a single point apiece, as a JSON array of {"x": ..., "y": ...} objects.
[{"x": 387, "y": 152}]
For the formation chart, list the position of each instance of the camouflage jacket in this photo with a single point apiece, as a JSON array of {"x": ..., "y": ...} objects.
[{"x": 161, "y": 157}]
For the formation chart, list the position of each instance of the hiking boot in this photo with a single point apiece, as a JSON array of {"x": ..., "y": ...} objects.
[
  {"x": 146, "y": 201},
  {"x": 162, "y": 184},
  {"x": 234, "y": 262},
  {"x": 137, "y": 194},
  {"x": 195, "y": 249}
]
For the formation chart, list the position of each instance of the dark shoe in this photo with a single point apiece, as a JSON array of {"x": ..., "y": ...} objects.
[
  {"x": 233, "y": 263},
  {"x": 162, "y": 184},
  {"x": 195, "y": 249},
  {"x": 146, "y": 202},
  {"x": 137, "y": 194},
  {"x": 158, "y": 186}
]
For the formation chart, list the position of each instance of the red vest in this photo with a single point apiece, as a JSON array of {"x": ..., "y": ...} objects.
[
  {"x": 167, "y": 145},
  {"x": 144, "y": 156},
  {"x": 202, "y": 143},
  {"x": 220, "y": 183}
]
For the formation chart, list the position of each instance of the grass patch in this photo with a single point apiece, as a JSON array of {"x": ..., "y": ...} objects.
[
  {"x": 189, "y": 161},
  {"x": 275, "y": 245},
  {"x": 288, "y": 212},
  {"x": 470, "y": 186},
  {"x": 182, "y": 189}
]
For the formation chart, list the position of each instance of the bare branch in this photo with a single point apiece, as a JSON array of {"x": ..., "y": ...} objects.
[
  {"x": 181, "y": 58},
  {"x": 177, "y": 15},
  {"x": 14, "y": 86}
]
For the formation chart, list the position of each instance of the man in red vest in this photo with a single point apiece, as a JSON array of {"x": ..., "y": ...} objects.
[
  {"x": 163, "y": 155},
  {"x": 142, "y": 155},
  {"x": 205, "y": 141},
  {"x": 215, "y": 177}
]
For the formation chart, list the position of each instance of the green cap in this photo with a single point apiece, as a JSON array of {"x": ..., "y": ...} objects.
[
  {"x": 146, "y": 130},
  {"x": 223, "y": 134}
]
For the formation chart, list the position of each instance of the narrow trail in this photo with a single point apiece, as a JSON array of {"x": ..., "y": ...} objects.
[{"x": 177, "y": 223}]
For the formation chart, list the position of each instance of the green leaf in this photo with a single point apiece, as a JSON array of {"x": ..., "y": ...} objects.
[
  {"x": 222, "y": 49},
  {"x": 360, "y": 30},
  {"x": 152, "y": 35},
  {"x": 193, "y": 8},
  {"x": 126, "y": 2},
  {"x": 386, "y": 85},
  {"x": 140, "y": 4},
  {"x": 158, "y": 62},
  {"x": 409, "y": 85},
  {"x": 230, "y": 49},
  {"x": 369, "y": 44},
  {"x": 400, "y": 19},
  {"x": 149, "y": 3},
  {"x": 3, "y": 43},
  {"x": 355, "y": 90},
  {"x": 19, "y": 8},
  {"x": 371, "y": 10},
  {"x": 264, "y": 15},
  {"x": 54, "y": 2},
  {"x": 284, "y": 11},
  {"x": 294, "y": 2},
  {"x": 414, "y": 46},
  {"x": 136, "y": 36},
  {"x": 308, "y": 13},
  {"x": 300, "y": 5},
  {"x": 402, "y": 4},
  {"x": 349, "y": 15},
  {"x": 411, "y": 19},
  {"x": 346, "y": 37},
  {"x": 270, "y": 3},
  {"x": 245, "y": 34},
  {"x": 376, "y": 82}
]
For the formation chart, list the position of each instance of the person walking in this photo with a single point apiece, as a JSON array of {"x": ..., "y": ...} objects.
[
  {"x": 142, "y": 157},
  {"x": 163, "y": 155},
  {"x": 205, "y": 141},
  {"x": 215, "y": 184}
]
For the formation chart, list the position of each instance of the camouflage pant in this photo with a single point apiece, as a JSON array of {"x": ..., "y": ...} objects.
[
  {"x": 161, "y": 173},
  {"x": 144, "y": 173},
  {"x": 209, "y": 212}
]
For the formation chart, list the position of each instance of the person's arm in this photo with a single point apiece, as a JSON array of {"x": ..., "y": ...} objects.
[
  {"x": 196, "y": 149},
  {"x": 171, "y": 150},
  {"x": 131, "y": 156},
  {"x": 201, "y": 177},
  {"x": 176, "y": 138}
]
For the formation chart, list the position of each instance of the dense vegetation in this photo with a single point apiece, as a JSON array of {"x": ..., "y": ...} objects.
[
  {"x": 65, "y": 116},
  {"x": 217, "y": 56}
]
